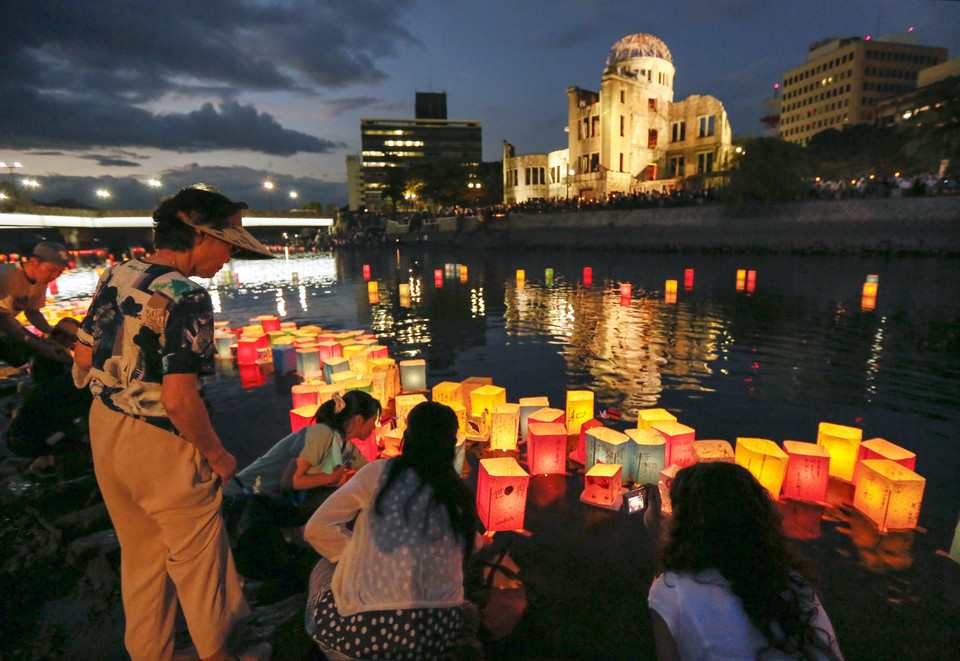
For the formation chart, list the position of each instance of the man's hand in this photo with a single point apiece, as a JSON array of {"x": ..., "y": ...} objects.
[{"x": 224, "y": 465}]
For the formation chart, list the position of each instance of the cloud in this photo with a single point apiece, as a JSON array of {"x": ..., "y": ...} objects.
[
  {"x": 111, "y": 161},
  {"x": 349, "y": 104}
]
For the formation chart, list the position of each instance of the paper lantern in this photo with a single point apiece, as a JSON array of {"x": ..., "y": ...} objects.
[
  {"x": 741, "y": 279},
  {"x": 808, "y": 471},
  {"x": 670, "y": 292},
  {"x": 308, "y": 361},
  {"x": 461, "y": 415},
  {"x": 368, "y": 446},
  {"x": 378, "y": 387},
  {"x": 626, "y": 290},
  {"x": 579, "y": 409},
  {"x": 392, "y": 442},
  {"x": 580, "y": 454},
  {"x": 530, "y": 405},
  {"x": 325, "y": 392},
  {"x": 708, "y": 451},
  {"x": 879, "y": 448},
  {"x": 304, "y": 395},
  {"x": 765, "y": 460},
  {"x": 288, "y": 326},
  {"x": 366, "y": 271},
  {"x": 679, "y": 442},
  {"x": 446, "y": 392},
  {"x": 373, "y": 292},
  {"x": 358, "y": 360},
  {"x": 438, "y": 278},
  {"x": 463, "y": 273},
  {"x": 403, "y": 404},
  {"x": 650, "y": 453},
  {"x": 276, "y": 336},
  {"x": 302, "y": 417},
  {"x": 341, "y": 378},
  {"x": 284, "y": 357},
  {"x": 381, "y": 364},
  {"x": 504, "y": 423},
  {"x": 688, "y": 279},
  {"x": 331, "y": 366},
  {"x": 610, "y": 446},
  {"x": 223, "y": 342},
  {"x": 377, "y": 351},
  {"x": 843, "y": 444},
  {"x": 247, "y": 350},
  {"x": 546, "y": 448},
  {"x": 888, "y": 494},
  {"x": 356, "y": 383},
  {"x": 404, "y": 289},
  {"x": 521, "y": 278},
  {"x": 502, "y": 494},
  {"x": 470, "y": 384},
  {"x": 270, "y": 323},
  {"x": 483, "y": 399},
  {"x": 587, "y": 276},
  {"x": 646, "y": 418},
  {"x": 601, "y": 484},
  {"x": 663, "y": 486},
  {"x": 751, "y": 281},
  {"x": 413, "y": 375}
]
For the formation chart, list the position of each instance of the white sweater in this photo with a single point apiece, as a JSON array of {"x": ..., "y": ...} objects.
[{"x": 387, "y": 563}]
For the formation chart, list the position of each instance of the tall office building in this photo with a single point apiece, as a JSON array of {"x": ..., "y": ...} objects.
[
  {"x": 404, "y": 143},
  {"x": 843, "y": 79}
]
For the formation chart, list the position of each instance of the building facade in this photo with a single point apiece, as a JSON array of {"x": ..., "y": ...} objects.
[
  {"x": 405, "y": 143},
  {"x": 355, "y": 200},
  {"x": 843, "y": 80},
  {"x": 630, "y": 137}
]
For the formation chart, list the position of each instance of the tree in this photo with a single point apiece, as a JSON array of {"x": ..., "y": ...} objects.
[
  {"x": 856, "y": 151},
  {"x": 767, "y": 170},
  {"x": 933, "y": 133}
]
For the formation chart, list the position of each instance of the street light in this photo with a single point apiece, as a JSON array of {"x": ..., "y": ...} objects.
[
  {"x": 269, "y": 186},
  {"x": 103, "y": 194}
]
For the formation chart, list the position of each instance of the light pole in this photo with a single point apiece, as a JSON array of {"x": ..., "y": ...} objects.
[
  {"x": 11, "y": 168},
  {"x": 103, "y": 194},
  {"x": 269, "y": 186},
  {"x": 570, "y": 173}
]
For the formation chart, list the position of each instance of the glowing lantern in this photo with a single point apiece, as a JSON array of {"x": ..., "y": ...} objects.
[
  {"x": 270, "y": 323},
  {"x": 587, "y": 276},
  {"x": 688, "y": 279},
  {"x": 363, "y": 385},
  {"x": 463, "y": 273},
  {"x": 331, "y": 366},
  {"x": 868, "y": 299},
  {"x": 670, "y": 295},
  {"x": 287, "y": 326},
  {"x": 502, "y": 494},
  {"x": 223, "y": 341},
  {"x": 377, "y": 351},
  {"x": 646, "y": 418},
  {"x": 679, "y": 439},
  {"x": 741, "y": 279},
  {"x": 438, "y": 278},
  {"x": 765, "y": 460},
  {"x": 626, "y": 290},
  {"x": 368, "y": 446},
  {"x": 751, "y": 281},
  {"x": 470, "y": 384},
  {"x": 342, "y": 378},
  {"x": 446, "y": 392},
  {"x": 413, "y": 375},
  {"x": 305, "y": 395},
  {"x": 325, "y": 392},
  {"x": 329, "y": 349},
  {"x": 601, "y": 484},
  {"x": 284, "y": 356},
  {"x": 546, "y": 448},
  {"x": 843, "y": 444},
  {"x": 808, "y": 471},
  {"x": 404, "y": 404},
  {"x": 276, "y": 336},
  {"x": 404, "y": 289},
  {"x": 378, "y": 387},
  {"x": 548, "y": 277},
  {"x": 366, "y": 271},
  {"x": 650, "y": 452},
  {"x": 580, "y": 454},
  {"x": 610, "y": 446},
  {"x": 504, "y": 422},
  {"x": 247, "y": 350},
  {"x": 251, "y": 376},
  {"x": 461, "y": 415},
  {"x": 530, "y": 405},
  {"x": 483, "y": 399},
  {"x": 579, "y": 409},
  {"x": 358, "y": 360},
  {"x": 392, "y": 442},
  {"x": 889, "y": 494},
  {"x": 302, "y": 417},
  {"x": 879, "y": 448},
  {"x": 373, "y": 292},
  {"x": 705, "y": 452},
  {"x": 521, "y": 278}
]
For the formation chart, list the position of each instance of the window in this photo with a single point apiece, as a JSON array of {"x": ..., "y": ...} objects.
[
  {"x": 527, "y": 173},
  {"x": 678, "y": 131},
  {"x": 676, "y": 166},
  {"x": 652, "y": 139},
  {"x": 705, "y": 161},
  {"x": 594, "y": 162},
  {"x": 707, "y": 126},
  {"x": 596, "y": 126},
  {"x": 621, "y": 125},
  {"x": 623, "y": 96},
  {"x": 652, "y": 105},
  {"x": 621, "y": 162},
  {"x": 586, "y": 127}
]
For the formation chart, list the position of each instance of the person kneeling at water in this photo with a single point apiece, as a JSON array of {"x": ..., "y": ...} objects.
[{"x": 393, "y": 588}]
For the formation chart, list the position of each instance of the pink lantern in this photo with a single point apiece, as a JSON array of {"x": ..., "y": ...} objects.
[
  {"x": 546, "y": 448},
  {"x": 438, "y": 278},
  {"x": 879, "y": 448},
  {"x": 302, "y": 417},
  {"x": 587, "y": 276},
  {"x": 305, "y": 395},
  {"x": 330, "y": 349},
  {"x": 368, "y": 446},
  {"x": 688, "y": 279},
  {"x": 378, "y": 351},
  {"x": 502, "y": 494},
  {"x": 808, "y": 471},
  {"x": 366, "y": 271},
  {"x": 679, "y": 439}
]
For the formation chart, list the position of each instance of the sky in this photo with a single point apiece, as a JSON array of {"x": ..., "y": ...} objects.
[{"x": 107, "y": 94}]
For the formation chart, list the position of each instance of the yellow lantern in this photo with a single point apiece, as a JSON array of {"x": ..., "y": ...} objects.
[
  {"x": 470, "y": 384},
  {"x": 647, "y": 417},
  {"x": 601, "y": 484},
  {"x": 889, "y": 494},
  {"x": 404, "y": 404},
  {"x": 521, "y": 278},
  {"x": 741, "y": 279},
  {"x": 502, "y": 494},
  {"x": 651, "y": 454},
  {"x": 358, "y": 359},
  {"x": 707, "y": 451},
  {"x": 670, "y": 294},
  {"x": 579, "y": 409},
  {"x": 483, "y": 399},
  {"x": 461, "y": 415},
  {"x": 302, "y": 417},
  {"x": 679, "y": 440},
  {"x": 392, "y": 442},
  {"x": 843, "y": 444},
  {"x": 326, "y": 392},
  {"x": 447, "y": 392},
  {"x": 765, "y": 460},
  {"x": 373, "y": 292},
  {"x": 504, "y": 423},
  {"x": 341, "y": 378}
]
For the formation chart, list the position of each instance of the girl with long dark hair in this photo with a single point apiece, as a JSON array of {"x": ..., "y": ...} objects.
[
  {"x": 733, "y": 588},
  {"x": 393, "y": 587}
]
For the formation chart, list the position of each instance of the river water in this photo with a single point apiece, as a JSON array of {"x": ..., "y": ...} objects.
[{"x": 797, "y": 350}]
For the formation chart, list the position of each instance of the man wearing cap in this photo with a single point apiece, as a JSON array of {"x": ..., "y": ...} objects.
[
  {"x": 23, "y": 288},
  {"x": 144, "y": 344}
]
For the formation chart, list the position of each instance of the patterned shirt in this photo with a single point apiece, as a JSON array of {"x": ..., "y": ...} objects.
[{"x": 145, "y": 321}]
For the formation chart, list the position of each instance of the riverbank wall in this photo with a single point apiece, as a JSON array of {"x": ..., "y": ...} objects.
[{"x": 919, "y": 225}]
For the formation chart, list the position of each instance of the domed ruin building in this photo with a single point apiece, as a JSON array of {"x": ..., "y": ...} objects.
[{"x": 630, "y": 137}]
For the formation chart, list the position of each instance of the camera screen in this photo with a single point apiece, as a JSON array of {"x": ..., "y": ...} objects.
[{"x": 634, "y": 501}]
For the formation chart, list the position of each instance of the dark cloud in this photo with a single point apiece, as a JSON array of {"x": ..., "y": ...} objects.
[
  {"x": 111, "y": 161},
  {"x": 81, "y": 74},
  {"x": 349, "y": 104}
]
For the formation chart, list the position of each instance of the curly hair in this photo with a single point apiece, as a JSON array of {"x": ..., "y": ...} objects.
[{"x": 724, "y": 519}]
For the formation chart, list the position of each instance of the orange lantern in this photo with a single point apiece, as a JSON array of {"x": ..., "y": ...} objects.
[
  {"x": 470, "y": 384},
  {"x": 879, "y": 448},
  {"x": 889, "y": 494},
  {"x": 741, "y": 279},
  {"x": 808, "y": 471},
  {"x": 463, "y": 273},
  {"x": 843, "y": 444},
  {"x": 446, "y": 392},
  {"x": 378, "y": 351},
  {"x": 373, "y": 292},
  {"x": 546, "y": 448},
  {"x": 708, "y": 451},
  {"x": 302, "y": 417},
  {"x": 647, "y": 417},
  {"x": 670, "y": 294},
  {"x": 765, "y": 460},
  {"x": 679, "y": 442},
  {"x": 502, "y": 494},
  {"x": 650, "y": 452},
  {"x": 504, "y": 422},
  {"x": 688, "y": 279},
  {"x": 305, "y": 395},
  {"x": 579, "y": 409},
  {"x": 601, "y": 485},
  {"x": 580, "y": 454}
]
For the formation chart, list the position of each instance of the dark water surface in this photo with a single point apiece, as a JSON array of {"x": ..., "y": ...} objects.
[{"x": 771, "y": 363}]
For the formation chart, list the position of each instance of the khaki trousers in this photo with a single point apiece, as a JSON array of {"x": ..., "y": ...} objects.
[{"x": 164, "y": 502}]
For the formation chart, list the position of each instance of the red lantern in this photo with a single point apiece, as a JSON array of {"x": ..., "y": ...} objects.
[
  {"x": 502, "y": 494},
  {"x": 305, "y": 395},
  {"x": 679, "y": 443},
  {"x": 270, "y": 324},
  {"x": 302, "y": 417},
  {"x": 438, "y": 278},
  {"x": 808, "y": 471},
  {"x": 366, "y": 271},
  {"x": 546, "y": 448},
  {"x": 247, "y": 350},
  {"x": 587, "y": 276},
  {"x": 580, "y": 454},
  {"x": 688, "y": 279}
]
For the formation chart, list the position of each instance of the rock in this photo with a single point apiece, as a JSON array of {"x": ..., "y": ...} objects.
[{"x": 96, "y": 545}]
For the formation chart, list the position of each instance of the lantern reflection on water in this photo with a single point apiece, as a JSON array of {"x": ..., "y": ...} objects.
[
  {"x": 546, "y": 448},
  {"x": 670, "y": 294},
  {"x": 650, "y": 452},
  {"x": 888, "y": 494},
  {"x": 765, "y": 460},
  {"x": 502, "y": 494},
  {"x": 843, "y": 444},
  {"x": 808, "y": 471}
]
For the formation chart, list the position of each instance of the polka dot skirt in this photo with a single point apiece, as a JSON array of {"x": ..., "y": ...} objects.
[{"x": 413, "y": 633}]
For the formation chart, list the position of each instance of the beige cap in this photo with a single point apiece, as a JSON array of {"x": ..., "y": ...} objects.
[{"x": 234, "y": 234}]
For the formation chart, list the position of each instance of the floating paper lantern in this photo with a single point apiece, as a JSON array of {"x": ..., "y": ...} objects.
[
  {"x": 843, "y": 444},
  {"x": 670, "y": 293},
  {"x": 679, "y": 442},
  {"x": 546, "y": 448},
  {"x": 358, "y": 360},
  {"x": 626, "y": 290},
  {"x": 366, "y": 271},
  {"x": 751, "y": 281},
  {"x": 447, "y": 391},
  {"x": 223, "y": 342},
  {"x": 879, "y": 448},
  {"x": 470, "y": 384},
  {"x": 808, "y": 471},
  {"x": 579, "y": 409},
  {"x": 329, "y": 349},
  {"x": 483, "y": 399},
  {"x": 601, "y": 484},
  {"x": 373, "y": 292},
  {"x": 463, "y": 273},
  {"x": 247, "y": 350},
  {"x": 663, "y": 485},
  {"x": 741, "y": 279},
  {"x": 688, "y": 279},
  {"x": 580, "y": 454},
  {"x": 650, "y": 452},
  {"x": 889, "y": 494},
  {"x": 765, "y": 460},
  {"x": 610, "y": 446},
  {"x": 521, "y": 277},
  {"x": 647, "y": 417},
  {"x": 438, "y": 278},
  {"x": 377, "y": 351},
  {"x": 587, "y": 276},
  {"x": 302, "y": 417},
  {"x": 308, "y": 361},
  {"x": 378, "y": 387},
  {"x": 530, "y": 405},
  {"x": 325, "y": 392},
  {"x": 413, "y": 375},
  {"x": 331, "y": 366},
  {"x": 288, "y": 326},
  {"x": 403, "y": 404},
  {"x": 341, "y": 378},
  {"x": 504, "y": 423},
  {"x": 270, "y": 323},
  {"x": 708, "y": 451},
  {"x": 304, "y": 395},
  {"x": 502, "y": 494},
  {"x": 461, "y": 415},
  {"x": 546, "y": 415}
]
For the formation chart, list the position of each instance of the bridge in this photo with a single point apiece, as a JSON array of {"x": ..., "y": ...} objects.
[{"x": 143, "y": 219}]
